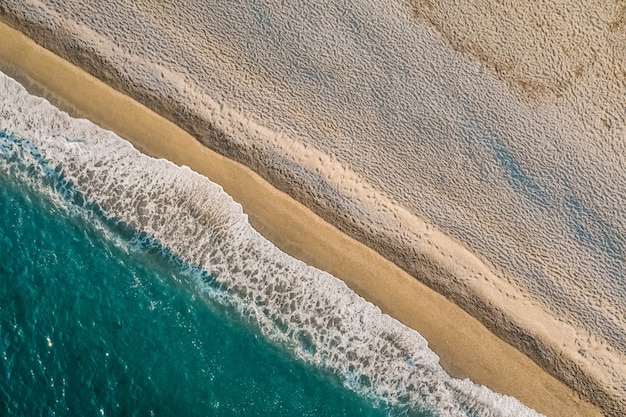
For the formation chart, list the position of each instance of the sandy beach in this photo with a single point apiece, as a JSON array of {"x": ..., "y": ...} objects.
[
  {"x": 489, "y": 167},
  {"x": 466, "y": 348}
]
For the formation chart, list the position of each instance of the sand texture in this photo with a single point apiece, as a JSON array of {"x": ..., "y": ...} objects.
[
  {"x": 466, "y": 348},
  {"x": 500, "y": 186},
  {"x": 569, "y": 53}
]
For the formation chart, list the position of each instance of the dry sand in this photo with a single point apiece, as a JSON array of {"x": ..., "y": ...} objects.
[
  {"x": 466, "y": 348},
  {"x": 572, "y": 53}
]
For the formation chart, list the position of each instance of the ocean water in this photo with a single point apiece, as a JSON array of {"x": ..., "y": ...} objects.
[
  {"x": 130, "y": 285},
  {"x": 93, "y": 321}
]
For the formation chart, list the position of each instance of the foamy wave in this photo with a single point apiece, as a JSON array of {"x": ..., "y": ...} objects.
[{"x": 305, "y": 309}]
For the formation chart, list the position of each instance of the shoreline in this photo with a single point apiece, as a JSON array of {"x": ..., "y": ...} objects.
[{"x": 483, "y": 358}]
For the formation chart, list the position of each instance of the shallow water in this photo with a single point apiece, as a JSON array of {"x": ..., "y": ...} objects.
[{"x": 95, "y": 322}]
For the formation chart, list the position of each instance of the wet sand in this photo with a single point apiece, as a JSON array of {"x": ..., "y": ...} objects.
[{"x": 466, "y": 348}]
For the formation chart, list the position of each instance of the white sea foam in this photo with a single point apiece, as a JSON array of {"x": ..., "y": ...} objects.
[{"x": 311, "y": 312}]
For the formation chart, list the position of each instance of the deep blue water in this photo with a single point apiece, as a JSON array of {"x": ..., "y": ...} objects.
[{"x": 94, "y": 323}]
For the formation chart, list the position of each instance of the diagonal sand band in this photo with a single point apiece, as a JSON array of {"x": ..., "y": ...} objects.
[{"x": 466, "y": 348}]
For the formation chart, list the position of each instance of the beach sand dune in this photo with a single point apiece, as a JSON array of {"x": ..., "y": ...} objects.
[{"x": 500, "y": 187}]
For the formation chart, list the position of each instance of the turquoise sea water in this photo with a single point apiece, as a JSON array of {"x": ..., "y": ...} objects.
[
  {"x": 93, "y": 322},
  {"x": 131, "y": 286}
]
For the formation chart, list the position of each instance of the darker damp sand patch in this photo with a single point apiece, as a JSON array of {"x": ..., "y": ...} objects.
[{"x": 541, "y": 48}]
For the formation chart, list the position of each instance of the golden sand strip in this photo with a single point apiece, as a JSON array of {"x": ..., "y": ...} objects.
[{"x": 466, "y": 348}]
